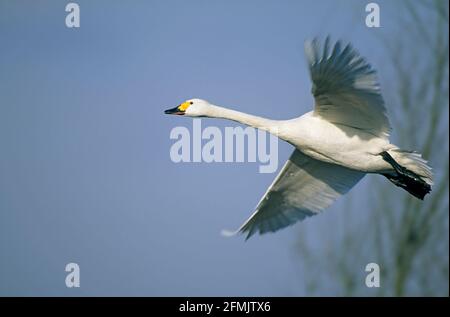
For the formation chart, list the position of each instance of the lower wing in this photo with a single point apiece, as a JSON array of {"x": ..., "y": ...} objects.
[{"x": 303, "y": 188}]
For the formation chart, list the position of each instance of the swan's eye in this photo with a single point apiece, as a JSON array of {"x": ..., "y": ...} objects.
[{"x": 191, "y": 102}]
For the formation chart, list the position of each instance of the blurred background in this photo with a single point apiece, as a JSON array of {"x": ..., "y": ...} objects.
[{"x": 85, "y": 171}]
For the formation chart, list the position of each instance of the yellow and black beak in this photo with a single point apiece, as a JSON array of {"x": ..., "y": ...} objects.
[
  {"x": 175, "y": 110},
  {"x": 179, "y": 110}
]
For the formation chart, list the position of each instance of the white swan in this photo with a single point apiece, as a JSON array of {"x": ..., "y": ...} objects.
[{"x": 336, "y": 144}]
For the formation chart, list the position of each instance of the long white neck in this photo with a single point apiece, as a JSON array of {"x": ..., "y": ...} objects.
[{"x": 271, "y": 126}]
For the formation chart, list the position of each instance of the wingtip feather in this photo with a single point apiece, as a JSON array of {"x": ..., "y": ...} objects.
[{"x": 229, "y": 233}]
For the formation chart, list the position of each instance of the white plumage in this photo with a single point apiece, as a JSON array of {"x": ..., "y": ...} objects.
[
  {"x": 303, "y": 188},
  {"x": 345, "y": 88},
  {"x": 341, "y": 140}
]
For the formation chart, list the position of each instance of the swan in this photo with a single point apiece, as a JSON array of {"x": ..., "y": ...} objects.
[{"x": 344, "y": 138}]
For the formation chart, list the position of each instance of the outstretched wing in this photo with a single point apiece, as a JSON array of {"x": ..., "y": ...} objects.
[
  {"x": 303, "y": 188},
  {"x": 345, "y": 88}
]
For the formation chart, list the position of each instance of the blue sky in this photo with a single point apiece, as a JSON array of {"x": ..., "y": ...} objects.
[{"x": 86, "y": 175}]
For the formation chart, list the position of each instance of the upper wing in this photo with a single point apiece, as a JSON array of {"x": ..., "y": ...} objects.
[
  {"x": 345, "y": 88},
  {"x": 303, "y": 188}
]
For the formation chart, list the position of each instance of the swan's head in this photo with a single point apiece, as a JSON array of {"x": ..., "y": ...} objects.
[{"x": 191, "y": 108}]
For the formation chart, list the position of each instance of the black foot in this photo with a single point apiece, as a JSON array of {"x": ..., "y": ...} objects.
[{"x": 405, "y": 178}]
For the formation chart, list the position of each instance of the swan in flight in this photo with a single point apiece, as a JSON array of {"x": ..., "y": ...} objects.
[{"x": 345, "y": 137}]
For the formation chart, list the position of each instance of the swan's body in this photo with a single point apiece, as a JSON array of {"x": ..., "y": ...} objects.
[
  {"x": 345, "y": 146},
  {"x": 342, "y": 139}
]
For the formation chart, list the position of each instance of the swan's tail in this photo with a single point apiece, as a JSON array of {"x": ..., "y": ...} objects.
[{"x": 411, "y": 172}]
